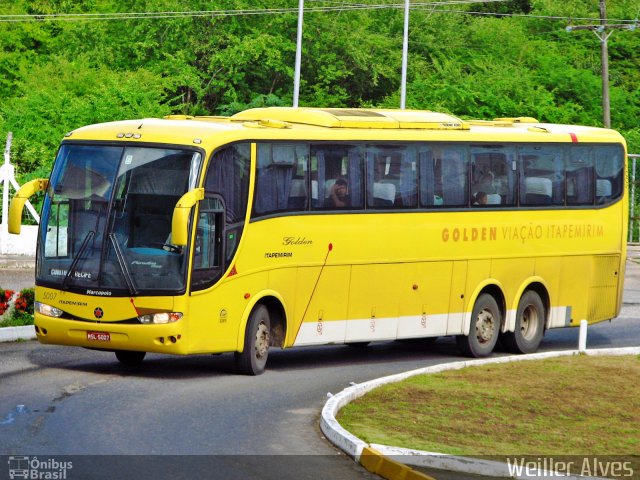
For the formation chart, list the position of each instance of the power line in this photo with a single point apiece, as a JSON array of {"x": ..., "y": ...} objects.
[
  {"x": 335, "y": 6},
  {"x": 538, "y": 17}
]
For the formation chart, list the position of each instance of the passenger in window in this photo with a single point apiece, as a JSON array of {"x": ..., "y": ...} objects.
[
  {"x": 487, "y": 182},
  {"x": 339, "y": 194},
  {"x": 480, "y": 198}
]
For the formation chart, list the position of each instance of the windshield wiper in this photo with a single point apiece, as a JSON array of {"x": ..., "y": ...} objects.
[
  {"x": 123, "y": 265},
  {"x": 74, "y": 264}
]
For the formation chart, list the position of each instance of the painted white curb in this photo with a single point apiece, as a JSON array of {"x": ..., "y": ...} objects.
[
  {"x": 441, "y": 461},
  {"x": 11, "y": 334},
  {"x": 353, "y": 446}
]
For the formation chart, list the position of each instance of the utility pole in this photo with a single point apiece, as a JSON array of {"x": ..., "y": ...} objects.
[
  {"x": 296, "y": 77},
  {"x": 405, "y": 51},
  {"x": 603, "y": 31},
  {"x": 604, "y": 60}
]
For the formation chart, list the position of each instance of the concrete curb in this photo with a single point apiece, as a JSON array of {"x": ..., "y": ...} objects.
[
  {"x": 17, "y": 262},
  {"x": 12, "y": 334},
  {"x": 360, "y": 450},
  {"x": 386, "y": 467}
]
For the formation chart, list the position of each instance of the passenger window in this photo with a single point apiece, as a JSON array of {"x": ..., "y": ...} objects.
[
  {"x": 228, "y": 175},
  {"x": 609, "y": 166},
  {"x": 336, "y": 176},
  {"x": 391, "y": 177},
  {"x": 542, "y": 175},
  {"x": 579, "y": 176},
  {"x": 281, "y": 180},
  {"x": 493, "y": 179},
  {"x": 444, "y": 178},
  {"x": 408, "y": 185}
]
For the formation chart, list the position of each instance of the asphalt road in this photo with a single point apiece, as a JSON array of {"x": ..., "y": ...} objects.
[{"x": 58, "y": 401}]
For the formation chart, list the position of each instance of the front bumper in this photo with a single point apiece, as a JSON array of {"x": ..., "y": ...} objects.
[{"x": 167, "y": 338}]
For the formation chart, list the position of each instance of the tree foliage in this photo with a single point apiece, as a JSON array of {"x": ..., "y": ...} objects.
[
  {"x": 509, "y": 7},
  {"x": 58, "y": 75}
]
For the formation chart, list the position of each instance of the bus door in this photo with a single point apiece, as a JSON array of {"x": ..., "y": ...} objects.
[{"x": 208, "y": 244}]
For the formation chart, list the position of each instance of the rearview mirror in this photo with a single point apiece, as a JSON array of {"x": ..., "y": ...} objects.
[
  {"x": 180, "y": 220},
  {"x": 27, "y": 191}
]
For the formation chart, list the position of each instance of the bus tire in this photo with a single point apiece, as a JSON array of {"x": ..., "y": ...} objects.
[
  {"x": 484, "y": 330},
  {"x": 253, "y": 358},
  {"x": 129, "y": 358},
  {"x": 529, "y": 330}
]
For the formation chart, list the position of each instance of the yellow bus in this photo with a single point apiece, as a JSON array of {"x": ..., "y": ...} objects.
[{"x": 282, "y": 227}]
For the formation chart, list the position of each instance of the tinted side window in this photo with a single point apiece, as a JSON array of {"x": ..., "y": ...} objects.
[
  {"x": 609, "y": 166},
  {"x": 228, "y": 175},
  {"x": 444, "y": 176},
  {"x": 391, "y": 176},
  {"x": 337, "y": 180},
  {"x": 579, "y": 176},
  {"x": 493, "y": 176},
  {"x": 208, "y": 264},
  {"x": 281, "y": 182},
  {"x": 541, "y": 175}
]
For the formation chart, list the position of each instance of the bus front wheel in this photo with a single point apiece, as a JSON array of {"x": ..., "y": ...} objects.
[
  {"x": 253, "y": 358},
  {"x": 530, "y": 320},
  {"x": 129, "y": 358},
  {"x": 486, "y": 320}
]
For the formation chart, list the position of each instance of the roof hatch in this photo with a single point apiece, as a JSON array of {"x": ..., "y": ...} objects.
[{"x": 354, "y": 118}]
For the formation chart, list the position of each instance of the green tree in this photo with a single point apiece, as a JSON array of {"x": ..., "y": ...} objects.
[
  {"x": 73, "y": 95},
  {"x": 514, "y": 6},
  {"x": 57, "y": 76}
]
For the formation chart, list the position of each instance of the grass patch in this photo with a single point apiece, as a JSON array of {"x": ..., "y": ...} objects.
[
  {"x": 578, "y": 405},
  {"x": 17, "y": 319}
]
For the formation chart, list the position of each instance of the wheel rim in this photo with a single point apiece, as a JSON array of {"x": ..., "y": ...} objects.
[
  {"x": 529, "y": 322},
  {"x": 262, "y": 341},
  {"x": 485, "y": 326}
]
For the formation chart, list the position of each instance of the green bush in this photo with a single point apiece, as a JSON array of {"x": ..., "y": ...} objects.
[
  {"x": 5, "y": 300},
  {"x": 18, "y": 312},
  {"x": 25, "y": 300},
  {"x": 17, "y": 319}
]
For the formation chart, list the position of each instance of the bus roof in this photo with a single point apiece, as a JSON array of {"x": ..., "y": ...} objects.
[
  {"x": 360, "y": 118},
  {"x": 189, "y": 129}
]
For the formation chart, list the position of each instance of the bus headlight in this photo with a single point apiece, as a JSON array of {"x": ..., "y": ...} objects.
[
  {"x": 48, "y": 310},
  {"x": 160, "y": 318}
]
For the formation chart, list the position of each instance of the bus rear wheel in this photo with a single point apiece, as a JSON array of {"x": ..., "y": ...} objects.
[
  {"x": 529, "y": 330},
  {"x": 129, "y": 358},
  {"x": 253, "y": 358},
  {"x": 486, "y": 320}
]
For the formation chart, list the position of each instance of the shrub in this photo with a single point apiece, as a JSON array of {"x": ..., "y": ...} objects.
[
  {"x": 5, "y": 297},
  {"x": 17, "y": 319},
  {"x": 22, "y": 311},
  {"x": 24, "y": 302}
]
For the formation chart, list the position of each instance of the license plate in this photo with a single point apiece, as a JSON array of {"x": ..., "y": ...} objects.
[{"x": 99, "y": 336}]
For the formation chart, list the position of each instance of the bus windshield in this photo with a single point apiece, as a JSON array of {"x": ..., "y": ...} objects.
[{"x": 106, "y": 219}]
